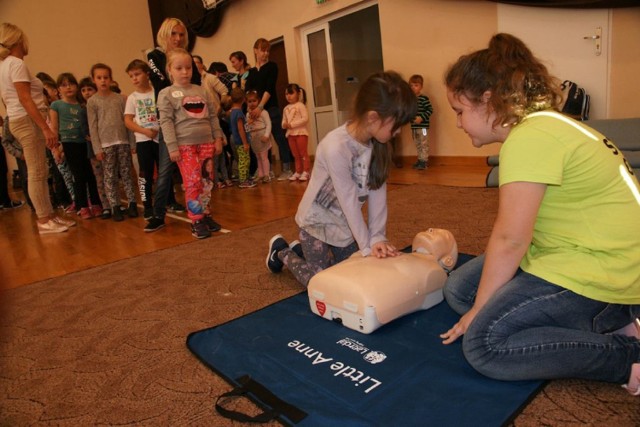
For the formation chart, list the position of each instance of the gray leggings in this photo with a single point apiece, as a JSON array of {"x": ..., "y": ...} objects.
[{"x": 318, "y": 255}]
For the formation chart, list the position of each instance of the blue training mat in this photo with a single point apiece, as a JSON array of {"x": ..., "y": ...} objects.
[{"x": 401, "y": 374}]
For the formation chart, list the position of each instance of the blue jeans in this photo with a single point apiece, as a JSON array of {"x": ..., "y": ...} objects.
[
  {"x": 533, "y": 329},
  {"x": 164, "y": 184},
  {"x": 279, "y": 135}
]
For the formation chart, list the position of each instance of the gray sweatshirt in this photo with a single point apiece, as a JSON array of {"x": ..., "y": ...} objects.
[{"x": 187, "y": 116}]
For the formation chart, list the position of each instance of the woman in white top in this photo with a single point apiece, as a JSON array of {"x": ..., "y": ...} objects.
[{"x": 27, "y": 111}]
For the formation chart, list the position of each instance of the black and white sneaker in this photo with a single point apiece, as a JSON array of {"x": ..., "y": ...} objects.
[
  {"x": 276, "y": 244},
  {"x": 199, "y": 230},
  {"x": 211, "y": 224},
  {"x": 154, "y": 224},
  {"x": 296, "y": 247}
]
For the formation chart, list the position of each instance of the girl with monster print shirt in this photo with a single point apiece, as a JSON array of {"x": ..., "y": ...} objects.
[{"x": 193, "y": 136}]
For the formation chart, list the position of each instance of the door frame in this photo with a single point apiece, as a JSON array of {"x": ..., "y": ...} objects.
[{"x": 305, "y": 30}]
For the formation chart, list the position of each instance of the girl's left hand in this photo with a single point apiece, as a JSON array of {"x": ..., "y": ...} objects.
[
  {"x": 174, "y": 156},
  {"x": 383, "y": 250}
]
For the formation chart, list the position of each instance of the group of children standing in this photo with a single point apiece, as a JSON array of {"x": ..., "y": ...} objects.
[
  {"x": 100, "y": 130},
  {"x": 255, "y": 133}
]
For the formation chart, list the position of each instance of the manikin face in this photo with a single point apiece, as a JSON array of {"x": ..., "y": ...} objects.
[
  {"x": 476, "y": 121},
  {"x": 178, "y": 37},
  {"x": 438, "y": 242},
  {"x": 181, "y": 70}
]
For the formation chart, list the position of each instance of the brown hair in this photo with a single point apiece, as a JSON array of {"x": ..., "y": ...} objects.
[
  {"x": 66, "y": 77},
  {"x": 101, "y": 66},
  {"x": 390, "y": 96},
  {"x": 519, "y": 83},
  {"x": 237, "y": 95},
  {"x": 416, "y": 78},
  {"x": 262, "y": 44},
  {"x": 138, "y": 64}
]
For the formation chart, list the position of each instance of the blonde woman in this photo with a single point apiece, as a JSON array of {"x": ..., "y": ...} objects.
[{"x": 22, "y": 93}]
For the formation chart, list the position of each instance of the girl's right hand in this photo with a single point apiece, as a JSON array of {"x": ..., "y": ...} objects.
[
  {"x": 383, "y": 250},
  {"x": 246, "y": 148},
  {"x": 152, "y": 133}
]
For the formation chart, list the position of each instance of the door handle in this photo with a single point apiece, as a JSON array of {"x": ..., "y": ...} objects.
[{"x": 597, "y": 38}]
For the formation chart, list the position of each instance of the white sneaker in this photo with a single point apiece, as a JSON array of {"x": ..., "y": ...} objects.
[
  {"x": 304, "y": 176},
  {"x": 294, "y": 177},
  {"x": 64, "y": 222},
  {"x": 50, "y": 227}
]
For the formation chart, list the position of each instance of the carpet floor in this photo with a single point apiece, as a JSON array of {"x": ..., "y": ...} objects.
[{"x": 107, "y": 345}]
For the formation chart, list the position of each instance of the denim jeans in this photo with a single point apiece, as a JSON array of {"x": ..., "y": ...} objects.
[
  {"x": 164, "y": 184},
  {"x": 533, "y": 329},
  {"x": 278, "y": 134}
]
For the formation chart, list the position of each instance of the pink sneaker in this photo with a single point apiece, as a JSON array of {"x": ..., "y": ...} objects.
[
  {"x": 96, "y": 210},
  {"x": 85, "y": 213}
]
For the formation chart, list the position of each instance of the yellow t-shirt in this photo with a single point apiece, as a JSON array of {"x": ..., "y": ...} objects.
[{"x": 587, "y": 232}]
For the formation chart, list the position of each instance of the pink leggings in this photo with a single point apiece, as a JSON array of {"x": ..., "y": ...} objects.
[
  {"x": 298, "y": 146},
  {"x": 192, "y": 159}
]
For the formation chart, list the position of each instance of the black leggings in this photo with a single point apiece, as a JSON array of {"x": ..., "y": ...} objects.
[
  {"x": 148, "y": 155},
  {"x": 83, "y": 177}
]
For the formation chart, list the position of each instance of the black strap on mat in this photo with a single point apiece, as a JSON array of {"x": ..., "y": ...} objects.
[{"x": 277, "y": 406}]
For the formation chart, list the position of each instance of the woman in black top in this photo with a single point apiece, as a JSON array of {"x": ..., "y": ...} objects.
[{"x": 262, "y": 78}]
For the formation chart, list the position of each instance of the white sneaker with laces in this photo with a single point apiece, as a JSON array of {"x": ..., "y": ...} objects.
[
  {"x": 64, "y": 222},
  {"x": 50, "y": 227},
  {"x": 294, "y": 177}
]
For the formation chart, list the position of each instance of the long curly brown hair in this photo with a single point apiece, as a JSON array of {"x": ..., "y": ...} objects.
[{"x": 519, "y": 82}]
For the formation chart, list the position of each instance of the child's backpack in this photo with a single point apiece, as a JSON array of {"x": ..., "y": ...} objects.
[{"x": 576, "y": 100}]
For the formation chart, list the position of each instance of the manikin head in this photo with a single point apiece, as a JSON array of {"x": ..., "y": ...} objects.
[{"x": 440, "y": 244}]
